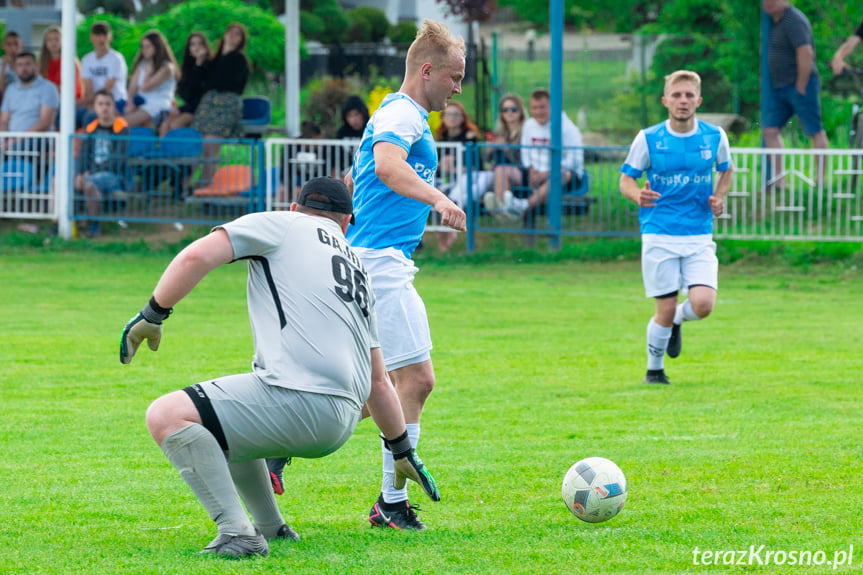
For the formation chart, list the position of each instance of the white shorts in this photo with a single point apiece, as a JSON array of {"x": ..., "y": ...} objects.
[
  {"x": 669, "y": 263},
  {"x": 403, "y": 326}
]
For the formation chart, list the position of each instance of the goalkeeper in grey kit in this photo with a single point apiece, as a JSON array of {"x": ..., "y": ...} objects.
[{"x": 314, "y": 327}]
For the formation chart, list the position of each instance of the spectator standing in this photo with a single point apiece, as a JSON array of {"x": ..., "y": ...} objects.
[
  {"x": 507, "y": 161},
  {"x": 677, "y": 204},
  {"x": 193, "y": 82},
  {"x": 220, "y": 113},
  {"x": 355, "y": 116},
  {"x": 101, "y": 161},
  {"x": 838, "y": 62},
  {"x": 794, "y": 81},
  {"x": 29, "y": 104},
  {"x": 104, "y": 67},
  {"x": 12, "y": 46},
  {"x": 536, "y": 155},
  {"x": 153, "y": 82}
]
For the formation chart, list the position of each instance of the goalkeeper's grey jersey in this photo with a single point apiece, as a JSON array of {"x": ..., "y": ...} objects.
[{"x": 310, "y": 304}]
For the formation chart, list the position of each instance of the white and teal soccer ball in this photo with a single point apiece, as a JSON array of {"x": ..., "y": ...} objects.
[{"x": 594, "y": 489}]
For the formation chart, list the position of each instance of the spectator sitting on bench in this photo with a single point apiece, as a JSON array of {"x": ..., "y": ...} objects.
[
  {"x": 101, "y": 163},
  {"x": 536, "y": 155},
  {"x": 153, "y": 82},
  {"x": 29, "y": 105}
]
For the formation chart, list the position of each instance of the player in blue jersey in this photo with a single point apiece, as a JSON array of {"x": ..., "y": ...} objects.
[
  {"x": 393, "y": 191},
  {"x": 678, "y": 202},
  {"x": 393, "y": 183}
]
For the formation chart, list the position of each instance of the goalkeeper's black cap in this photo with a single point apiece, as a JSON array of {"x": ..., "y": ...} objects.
[{"x": 327, "y": 194}]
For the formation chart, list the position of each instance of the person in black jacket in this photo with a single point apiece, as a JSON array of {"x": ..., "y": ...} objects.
[
  {"x": 100, "y": 169},
  {"x": 355, "y": 116},
  {"x": 193, "y": 82}
]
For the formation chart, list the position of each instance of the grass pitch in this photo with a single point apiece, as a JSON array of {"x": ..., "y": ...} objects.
[{"x": 757, "y": 442}]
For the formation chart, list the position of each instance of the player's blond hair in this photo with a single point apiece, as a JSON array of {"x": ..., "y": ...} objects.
[
  {"x": 433, "y": 44},
  {"x": 683, "y": 76}
]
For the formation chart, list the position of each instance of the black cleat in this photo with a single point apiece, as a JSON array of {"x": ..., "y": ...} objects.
[
  {"x": 656, "y": 376},
  {"x": 285, "y": 532},
  {"x": 276, "y": 467},
  {"x": 237, "y": 546},
  {"x": 675, "y": 342},
  {"x": 399, "y": 515}
]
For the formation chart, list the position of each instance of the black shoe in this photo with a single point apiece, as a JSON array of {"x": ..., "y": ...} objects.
[
  {"x": 276, "y": 467},
  {"x": 285, "y": 532},
  {"x": 675, "y": 342},
  {"x": 395, "y": 515},
  {"x": 237, "y": 546},
  {"x": 656, "y": 376}
]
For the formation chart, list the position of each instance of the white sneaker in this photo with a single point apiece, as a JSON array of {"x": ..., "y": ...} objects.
[
  {"x": 489, "y": 200},
  {"x": 507, "y": 201},
  {"x": 518, "y": 206}
]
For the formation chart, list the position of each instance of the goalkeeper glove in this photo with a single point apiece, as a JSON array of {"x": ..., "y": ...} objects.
[
  {"x": 408, "y": 465},
  {"x": 147, "y": 324}
]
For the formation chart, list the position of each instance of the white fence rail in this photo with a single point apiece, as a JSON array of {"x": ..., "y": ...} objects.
[
  {"x": 789, "y": 194},
  {"x": 27, "y": 175}
]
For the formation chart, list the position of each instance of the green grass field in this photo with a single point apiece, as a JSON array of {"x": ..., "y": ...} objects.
[{"x": 538, "y": 365}]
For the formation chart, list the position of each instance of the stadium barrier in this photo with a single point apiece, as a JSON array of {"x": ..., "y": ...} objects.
[
  {"x": 189, "y": 180},
  {"x": 27, "y": 175}
]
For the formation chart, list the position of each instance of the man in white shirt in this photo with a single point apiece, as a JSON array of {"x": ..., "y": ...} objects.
[{"x": 536, "y": 155}]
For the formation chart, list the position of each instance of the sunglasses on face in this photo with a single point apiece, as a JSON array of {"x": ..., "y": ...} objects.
[{"x": 509, "y": 109}]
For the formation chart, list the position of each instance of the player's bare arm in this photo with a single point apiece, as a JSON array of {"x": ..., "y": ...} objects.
[
  {"x": 641, "y": 195},
  {"x": 717, "y": 200},
  {"x": 393, "y": 170}
]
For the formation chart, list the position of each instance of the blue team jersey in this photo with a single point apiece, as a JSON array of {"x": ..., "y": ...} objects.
[
  {"x": 384, "y": 218},
  {"x": 679, "y": 167}
]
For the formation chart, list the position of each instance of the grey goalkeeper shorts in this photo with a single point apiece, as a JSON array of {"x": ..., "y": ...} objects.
[{"x": 256, "y": 420}]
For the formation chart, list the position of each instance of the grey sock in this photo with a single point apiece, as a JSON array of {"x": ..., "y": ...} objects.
[
  {"x": 196, "y": 454},
  {"x": 252, "y": 480}
]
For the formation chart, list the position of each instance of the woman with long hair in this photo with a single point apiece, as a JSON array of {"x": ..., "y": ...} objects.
[
  {"x": 153, "y": 81},
  {"x": 220, "y": 113},
  {"x": 49, "y": 61},
  {"x": 507, "y": 160},
  {"x": 455, "y": 126},
  {"x": 193, "y": 82}
]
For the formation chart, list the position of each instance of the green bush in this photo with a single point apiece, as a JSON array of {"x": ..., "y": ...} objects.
[
  {"x": 265, "y": 47},
  {"x": 126, "y": 35},
  {"x": 367, "y": 24},
  {"x": 335, "y": 21},
  {"x": 311, "y": 25},
  {"x": 402, "y": 33}
]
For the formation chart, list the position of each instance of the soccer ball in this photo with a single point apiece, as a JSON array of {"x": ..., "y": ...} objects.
[{"x": 594, "y": 489}]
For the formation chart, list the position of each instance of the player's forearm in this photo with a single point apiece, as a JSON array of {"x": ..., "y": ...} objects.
[
  {"x": 629, "y": 188},
  {"x": 383, "y": 402},
  {"x": 400, "y": 178},
  {"x": 724, "y": 184}
]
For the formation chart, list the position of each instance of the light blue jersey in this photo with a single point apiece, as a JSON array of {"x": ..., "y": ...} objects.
[
  {"x": 679, "y": 167},
  {"x": 384, "y": 218}
]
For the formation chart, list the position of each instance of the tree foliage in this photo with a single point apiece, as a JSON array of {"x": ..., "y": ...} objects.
[
  {"x": 367, "y": 24},
  {"x": 265, "y": 48},
  {"x": 471, "y": 10}
]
